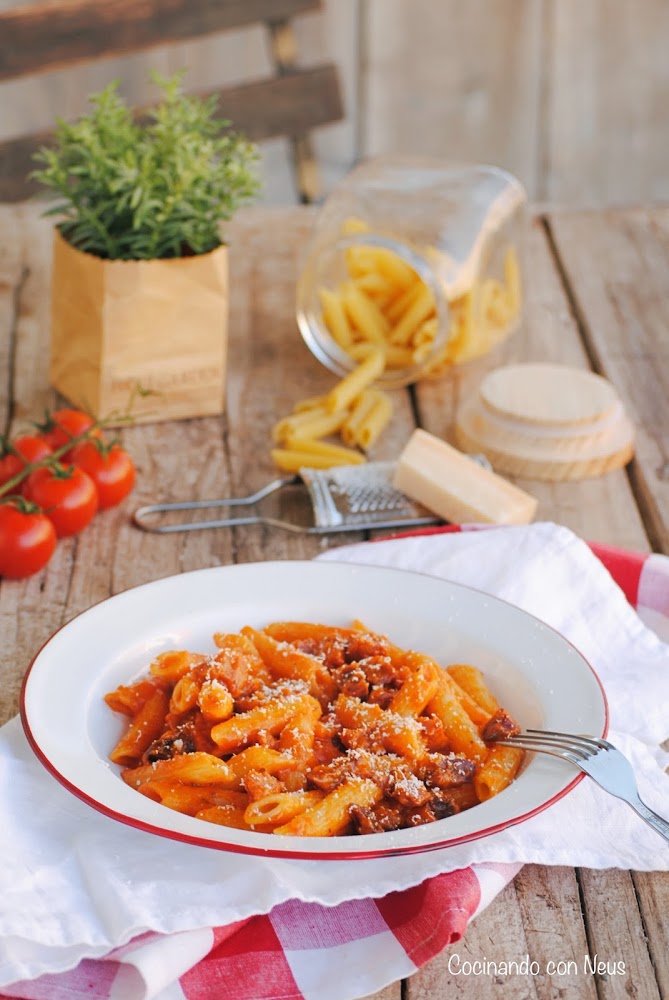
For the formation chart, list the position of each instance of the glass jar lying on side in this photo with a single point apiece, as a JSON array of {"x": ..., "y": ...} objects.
[{"x": 420, "y": 258}]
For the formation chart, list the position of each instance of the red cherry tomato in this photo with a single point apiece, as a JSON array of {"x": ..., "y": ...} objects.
[
  {"x": 24, "y": 450},
  {"x": 109, "y": 466},
  {"x": 27, "y": 539},
  {"x": 62, "y": 425},
  {"x": 66, "y": 495}
]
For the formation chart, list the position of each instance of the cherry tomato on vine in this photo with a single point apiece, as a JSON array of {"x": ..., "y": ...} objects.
[
  {"x": 62, "y": 425},
  {"x": 109, "y": 466},
  {"x": 66, "y": 494},
  {"x": 22, "y": 451},
  {"x": 27, "y": 538}
]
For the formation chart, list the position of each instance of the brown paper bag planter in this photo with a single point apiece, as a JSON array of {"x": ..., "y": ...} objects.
[{"x": 151, "y": 330}]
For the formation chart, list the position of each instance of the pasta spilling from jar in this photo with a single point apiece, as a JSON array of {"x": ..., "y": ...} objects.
[
  {"x": 384, "y": 303},
  {"x": 313, "y": 731},
  {"x": 353, "y": 409}
]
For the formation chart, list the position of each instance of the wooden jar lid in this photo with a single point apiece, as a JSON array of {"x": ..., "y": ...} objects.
[{"x": 546, "y": 421}]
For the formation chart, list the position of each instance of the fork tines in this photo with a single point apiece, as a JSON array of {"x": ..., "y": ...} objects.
[{"x": 535, "y": 739}]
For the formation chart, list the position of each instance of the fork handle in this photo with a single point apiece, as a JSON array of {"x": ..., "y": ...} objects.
[{"x": 658, "y": 824}]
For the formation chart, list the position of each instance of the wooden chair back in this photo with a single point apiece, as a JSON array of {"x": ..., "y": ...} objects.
[{"x": 55, "y": 34}]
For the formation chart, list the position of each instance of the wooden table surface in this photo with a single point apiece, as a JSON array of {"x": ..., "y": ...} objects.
[{"x": 597, "y": 297}]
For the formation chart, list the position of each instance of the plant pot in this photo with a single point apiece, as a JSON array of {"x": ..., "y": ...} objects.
[{"x": 150, "y": 334}]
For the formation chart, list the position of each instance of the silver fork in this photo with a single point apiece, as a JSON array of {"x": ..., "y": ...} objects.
[{"x": 601, "y": 760}]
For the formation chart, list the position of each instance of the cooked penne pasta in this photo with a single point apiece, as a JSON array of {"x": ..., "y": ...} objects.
[
  {"x": 496, "y": 771},
  {"x": 471, "y": 680},
  {"x": 280, "y": 807},
  {"x": 419, "y": 688},
  {"x": 313, "y": 730},
  {"x": 227, "y": 815},
  {"x": 462, "y": 734},
  {"x": 237, "y": 732},
  {"x": 145, "y": 726},
  {"x": 196, "y": 768},
  {"x": 282, "y": 659},
  {"x": 331, "y": 816}
]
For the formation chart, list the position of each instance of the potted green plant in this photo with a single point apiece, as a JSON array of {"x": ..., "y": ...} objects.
[{"x": 140, "y": 266}]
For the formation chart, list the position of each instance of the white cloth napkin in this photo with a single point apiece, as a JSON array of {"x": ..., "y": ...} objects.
[{"x": 75, "y": 884}]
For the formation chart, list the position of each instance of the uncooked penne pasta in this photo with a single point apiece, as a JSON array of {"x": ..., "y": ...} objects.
[
  {"x": 294, "y": 459},
  {"x": 512, "y": 280},
  {"x": 310, "y": 403},
  {"x": 313, "y": 423},
  {"x": 343, "y": 394},
  {"x": 311, "y": 446},
  {"x": 364, "y": 314},
  {"x": 374, "y": 421},
  {"x": 335, "y": 318},
  {"x": 420, "y": 309},
  {"x": 360, "y": 408},
  {"x": 398, "y": 307}
]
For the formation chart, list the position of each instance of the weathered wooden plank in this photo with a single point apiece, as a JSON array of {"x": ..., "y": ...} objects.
[
  {"x": 46, "y": 36},
  {"x": 31, "y": 356},
  {"x": 653, "y": 891},
  {"x": 453, "y": 80},
  {"x": 292, "y": 104},
  {"x": 30, "y": 610},
  {"x": 604, "y": 126},
  {"x": 619, "y": 973},
  {"x": 12, "y": 275},
  {"x": 623, "y": 309},
  {"x": 488, "y": 940},
  {"x": 551, "y": 910}
]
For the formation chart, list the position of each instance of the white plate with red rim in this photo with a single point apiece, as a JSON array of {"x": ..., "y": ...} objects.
[{"x": 536, "y": 674}]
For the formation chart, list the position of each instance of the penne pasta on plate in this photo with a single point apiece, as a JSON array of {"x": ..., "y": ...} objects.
[{"x": 310, "y": 730}]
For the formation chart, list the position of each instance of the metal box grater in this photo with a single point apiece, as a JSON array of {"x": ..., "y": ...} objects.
[{"x": 343, "y": 498}]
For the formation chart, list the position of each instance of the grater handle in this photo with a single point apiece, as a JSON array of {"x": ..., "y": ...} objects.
[{"x": 142, "y": 515}]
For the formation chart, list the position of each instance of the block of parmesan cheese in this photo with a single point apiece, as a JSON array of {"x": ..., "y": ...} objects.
[{"x": 452, "y": 485}]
